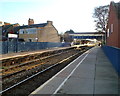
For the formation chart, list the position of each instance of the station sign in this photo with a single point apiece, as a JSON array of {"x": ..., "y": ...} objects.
[{"x": 12, "y": 36}]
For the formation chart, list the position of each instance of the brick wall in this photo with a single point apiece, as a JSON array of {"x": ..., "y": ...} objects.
[{"x": 113, "y": 39}]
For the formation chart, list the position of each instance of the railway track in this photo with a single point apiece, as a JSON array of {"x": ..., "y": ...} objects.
[
  {"x": 35, "y": 76},
  {"x": 6, "y": 62},
  {"x": 17, "y": 62},
  {"x": 27, "y": 65}
]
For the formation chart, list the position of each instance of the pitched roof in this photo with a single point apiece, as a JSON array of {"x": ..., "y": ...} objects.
[
  {"x": 6, "y": 27},
  {"x": 33, "y": 25},
  {"x": 29, "y": 26}
]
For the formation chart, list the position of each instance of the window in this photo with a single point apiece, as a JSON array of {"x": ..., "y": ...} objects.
[
  {"x": 28, "y": 31},
  {"x": 108, "y": 33},
  {"x": 111, "y": 28}
]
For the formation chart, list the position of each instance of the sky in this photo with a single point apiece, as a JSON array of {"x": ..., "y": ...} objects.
[{"x": 65, "y": 14}]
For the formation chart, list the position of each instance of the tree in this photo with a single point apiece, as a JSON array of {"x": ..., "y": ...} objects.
[
  {"x": 101, "y": 17},
  {"x": 67, "y": 37},
  {"x": 70, "y": 31}
]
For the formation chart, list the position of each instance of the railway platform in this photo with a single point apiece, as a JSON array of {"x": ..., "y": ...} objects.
[
  {"x": 91, "y": 73},
  {"x": 21, "y": 54}
]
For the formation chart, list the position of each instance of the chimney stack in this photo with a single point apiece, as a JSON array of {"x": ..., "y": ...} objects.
[
  {"x": 30, "y": 21},
  {"x": 49, "y": 22}
]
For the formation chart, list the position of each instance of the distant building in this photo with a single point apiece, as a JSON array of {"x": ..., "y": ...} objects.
[
  {"x": 8, "y": 29},
  {"x": 44, "y": 32},
  {"x": 1, "y": 23},
  {"x": 6, "y": 23},
  {"x": 87, "y": 35},
  {"x": 113, "y": 31}
]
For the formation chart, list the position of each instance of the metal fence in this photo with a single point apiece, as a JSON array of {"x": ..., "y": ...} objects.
[
  {"x": 14, "y": 47},
  {"x": 114, "y": 56}
]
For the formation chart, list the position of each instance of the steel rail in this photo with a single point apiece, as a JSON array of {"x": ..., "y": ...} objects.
[
  {"x": 24, "y": 64},
  {"x": 36, "y": 74}
]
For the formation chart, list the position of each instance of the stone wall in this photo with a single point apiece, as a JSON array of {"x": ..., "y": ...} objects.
[{"x": 44, "y": 34}]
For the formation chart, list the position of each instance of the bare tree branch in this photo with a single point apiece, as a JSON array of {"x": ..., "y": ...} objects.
[{"x": 101, "y": 17}]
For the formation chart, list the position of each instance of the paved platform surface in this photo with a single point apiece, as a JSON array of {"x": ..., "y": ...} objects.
[
  {"x": 12, "y": 55},
  {"x": 91, "y": 73}
]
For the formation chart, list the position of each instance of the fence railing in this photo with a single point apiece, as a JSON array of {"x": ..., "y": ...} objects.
[
  {"x": 13, "y": 47},
  {"x": 114, "y": 56}
]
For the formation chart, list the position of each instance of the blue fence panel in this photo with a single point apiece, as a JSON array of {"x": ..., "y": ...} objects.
[
  {"x": 12, "y": 47},
  {"x": 51, "y": 44},
  {"x": 4, "y": 47},
  {"x": 0, "y": 47},
  {"x": 21, "y": 46},
  {"x": 30, "y": 46},
  {"x": 67, "y": 44},
  {"x": 42, "y": 45},
  {"x": 114, "y": 56}
]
